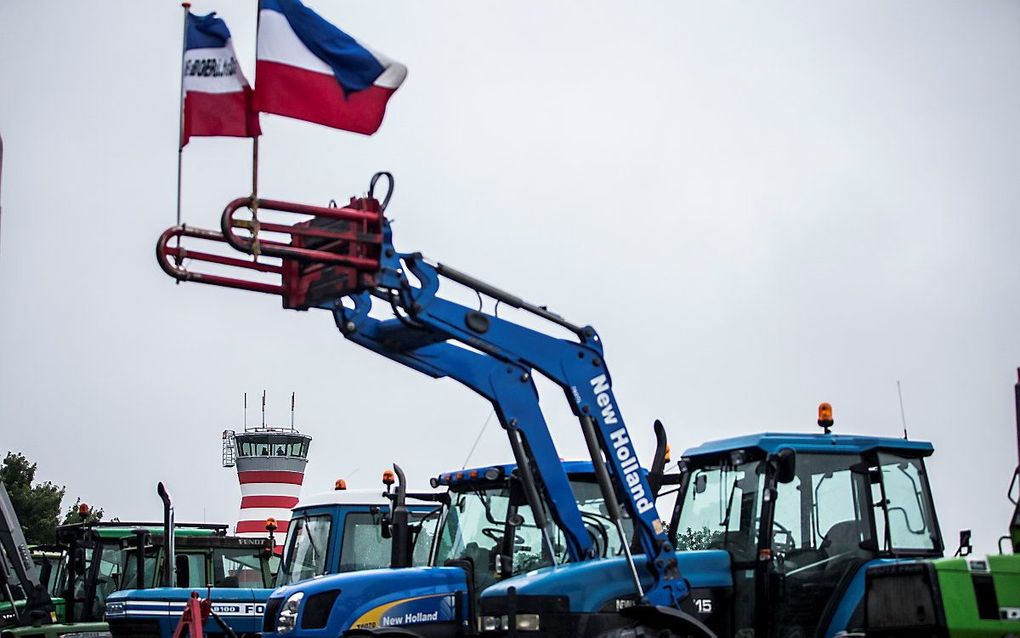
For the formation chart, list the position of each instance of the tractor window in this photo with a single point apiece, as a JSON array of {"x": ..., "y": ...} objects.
[
  {"x": 473, "y": 529},
  {"x": 363, "y": 546},
  {"x": 837, "y": 521},
  {"x": 720, "y": 510},
  {"x": 789, "y": 531},
  {"x": 307, "y": 543},
  {"x": 423, "y": 541},
  {"x": 108, "y": 576},
  {"x": 596, "y": 519},
  {"x": 191, "y": 570},
  {"x": 908, "y": 524},
  {"x": 242, "y": 567},
  {"x": 130, "y": 578}
]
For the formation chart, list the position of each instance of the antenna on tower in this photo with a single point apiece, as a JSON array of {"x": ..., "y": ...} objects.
[
  {"x": 245, "y": 411},
  {"x": 263, "y": 408},
  {"x": 903, "y": 415},
  {"x": 292, "y": 411}
]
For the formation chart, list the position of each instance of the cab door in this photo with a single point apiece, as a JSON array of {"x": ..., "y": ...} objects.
[{"x": 822, "y": 522}]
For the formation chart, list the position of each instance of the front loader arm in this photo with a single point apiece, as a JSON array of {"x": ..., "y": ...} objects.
[
  {"x": 348, "y": 252},
  {"x": 578, "y": 367},
  {"x": 510, "y": 389}
]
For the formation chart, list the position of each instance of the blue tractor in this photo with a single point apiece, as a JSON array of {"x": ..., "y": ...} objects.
[
  {"x": 775, "y": 533},
  {"x": 486, "y": 533},
  {"x": 343, "y": 259}
]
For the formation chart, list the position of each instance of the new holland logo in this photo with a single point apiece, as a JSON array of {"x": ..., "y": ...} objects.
[{"x": 622, "y": 448}]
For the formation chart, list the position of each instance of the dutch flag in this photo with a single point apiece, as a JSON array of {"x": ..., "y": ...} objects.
[
  {"x": 310, "y": 70},
  {"x": 217, "y": 97}
]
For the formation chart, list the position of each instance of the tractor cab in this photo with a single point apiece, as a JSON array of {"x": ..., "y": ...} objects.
[
  {"x": 490, "y": 524},
  {"x": 94, "y": 560},
  {"x": 345, "y": 531},
  {"x": 799, "y": 515}
]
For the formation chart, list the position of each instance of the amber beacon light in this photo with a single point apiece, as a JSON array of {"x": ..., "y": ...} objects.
[{"x": 825, "y": 416}]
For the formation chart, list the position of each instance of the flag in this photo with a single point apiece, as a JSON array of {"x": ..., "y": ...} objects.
[
  {"x": 308, "y": 69},
  {"x": 217, "y": 97}
]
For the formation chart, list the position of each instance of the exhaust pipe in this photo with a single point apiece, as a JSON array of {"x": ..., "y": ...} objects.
[{"x": 170, "y": 566}]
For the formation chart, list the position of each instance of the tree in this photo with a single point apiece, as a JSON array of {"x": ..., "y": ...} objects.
[
  {"x": 696, "y": 539},
  {"x": 73, "y": 514},
  {"x": 37, "y": 506}
]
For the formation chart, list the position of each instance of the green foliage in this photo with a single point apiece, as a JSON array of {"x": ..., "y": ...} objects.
[
  {"x": 691, "y": 540},
  {"x": 38, "y": 505},
  {"x": 72, "y": 515}
]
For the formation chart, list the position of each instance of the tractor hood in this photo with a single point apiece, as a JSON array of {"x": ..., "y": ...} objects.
[
  {"x": 332, "y": 604},
  {"x": 589, "y": 585}
]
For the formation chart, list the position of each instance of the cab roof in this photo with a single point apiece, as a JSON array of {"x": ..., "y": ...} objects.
[
  {"x": 347, "y": 497},
  {"x": 489, "y": 473},
  {"x": 770, "y": 442}
]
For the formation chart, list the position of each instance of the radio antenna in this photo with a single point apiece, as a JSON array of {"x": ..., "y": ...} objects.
[
  {"x": 245, "y": 411},
  {"x": 292, "y": 411},
  {"x": 903, "y": 414},
  {"x": 263, "y": 409}
]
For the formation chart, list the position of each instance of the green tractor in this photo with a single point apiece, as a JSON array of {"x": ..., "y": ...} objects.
[
  {"x": 955, "y": 597},
  {"x": 26, "y": 607}
]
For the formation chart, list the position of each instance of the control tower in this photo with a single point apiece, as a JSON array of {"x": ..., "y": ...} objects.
[{"x": 270, "y": 465}]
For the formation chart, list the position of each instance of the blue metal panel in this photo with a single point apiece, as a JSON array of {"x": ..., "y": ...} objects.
[
  {"x": 589, "y": 585},
  {"x": 770, "y": 442},
  {"x": 363, "y": 592},
  {"x": 240, "y": 608}
]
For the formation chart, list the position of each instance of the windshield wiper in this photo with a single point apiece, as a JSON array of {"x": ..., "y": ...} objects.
[{"x": 725, "y": 524}]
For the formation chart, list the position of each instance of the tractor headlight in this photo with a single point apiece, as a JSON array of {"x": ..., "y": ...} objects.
[
  {"x": 522, "y": 622},
  {"x": 287, "y": 619},
  {"x": 495, "y": 623},
  {"x": 528, "y": 622}
]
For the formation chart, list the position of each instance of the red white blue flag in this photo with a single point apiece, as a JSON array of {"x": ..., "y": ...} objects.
[
  {"x": 217, "y": 97},
  {"x": 308, "y": 69}
]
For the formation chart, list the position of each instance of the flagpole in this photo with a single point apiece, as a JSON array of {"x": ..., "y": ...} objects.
[
  {"x": 180, "y": 127},
  {"x": 255, "y": 148}
]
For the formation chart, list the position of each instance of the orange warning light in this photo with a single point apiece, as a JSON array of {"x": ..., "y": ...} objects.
[
  {"x": 271, "y": 524},
  {"x": 340, "y": 484},
  {"x": 825, "y": 415},
  {"x": 387, "y": 477}
]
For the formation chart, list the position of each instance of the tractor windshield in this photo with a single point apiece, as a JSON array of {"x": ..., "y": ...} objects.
[
  {"x": 720, "y": 508},
  {"x": 477, "y": 521},
  {"x": 473, "y": 529},
  {"x": 307, "y": 543}
]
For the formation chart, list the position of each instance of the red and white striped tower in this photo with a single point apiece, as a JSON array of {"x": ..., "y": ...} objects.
[{"x": 270, "y": 465}]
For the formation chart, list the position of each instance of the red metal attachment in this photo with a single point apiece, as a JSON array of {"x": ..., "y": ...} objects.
[
  {"x": 192, "y": 621},
  {"x": 330, "y": 253}
]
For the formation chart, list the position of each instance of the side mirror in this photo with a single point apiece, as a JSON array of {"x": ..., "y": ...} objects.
[
  {"x": 183, "y": 570},
  {"x": 79, "y": 560},
  {"x": 786, "y": 465},
  {"x": 965, "y": 547},
  {"x": 700, "y": 483}
]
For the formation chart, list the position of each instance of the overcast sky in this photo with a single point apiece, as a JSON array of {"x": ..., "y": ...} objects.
[{"x": 760, "y": 206}]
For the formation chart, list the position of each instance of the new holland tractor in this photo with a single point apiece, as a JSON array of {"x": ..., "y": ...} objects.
[{"x": 776, "y": 531}]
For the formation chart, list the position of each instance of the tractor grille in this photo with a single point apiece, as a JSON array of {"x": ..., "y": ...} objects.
[
  {"x": 316, "y": 611},
  {"x": 134, "y": 628},
  {"x": 903, "y": 600},
  {"x": 272, "y": 611}
]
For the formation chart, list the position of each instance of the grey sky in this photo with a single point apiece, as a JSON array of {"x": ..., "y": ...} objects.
[{"x": 760, "y": 206}]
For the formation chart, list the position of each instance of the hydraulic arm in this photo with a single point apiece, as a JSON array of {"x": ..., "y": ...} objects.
[{"x": 347, "y": 253}]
